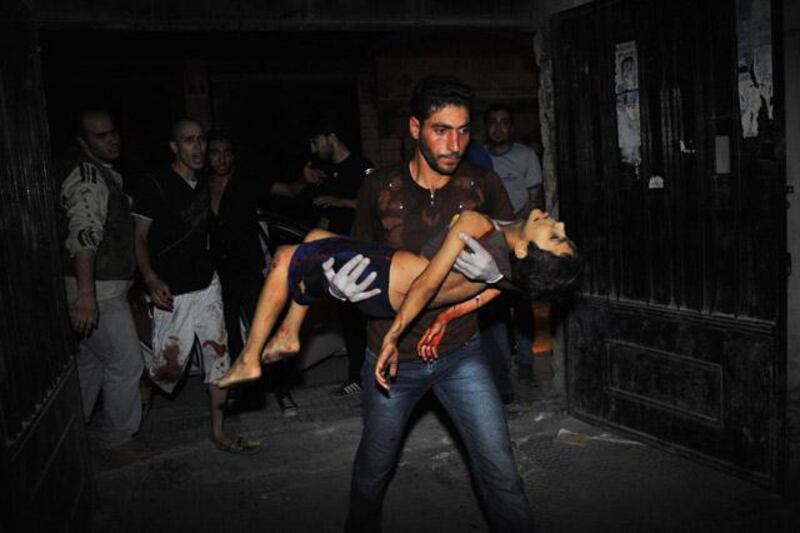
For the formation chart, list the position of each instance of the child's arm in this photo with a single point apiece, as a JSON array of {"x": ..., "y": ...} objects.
[
  {"x": 428, "y": 345},
  {"x": 425, "y": 287}
]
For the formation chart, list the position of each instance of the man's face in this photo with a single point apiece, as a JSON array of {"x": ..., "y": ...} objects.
[
  {"x": 321, "y": 147},
  {"x": 499, "y": 127},
  {"x": 220, "y": 157},
  {"x": 443, "y": 137},
  {"x": 189, "y": 146},
  {"x": 100, "y": 137}
]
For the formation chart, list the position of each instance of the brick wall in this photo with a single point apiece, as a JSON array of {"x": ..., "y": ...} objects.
[{"x": 498, "y": 70}]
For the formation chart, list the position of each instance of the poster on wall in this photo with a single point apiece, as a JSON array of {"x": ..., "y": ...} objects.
[
  {"x": 626, "y": 81},
  {"x": 754, "y": 36}
]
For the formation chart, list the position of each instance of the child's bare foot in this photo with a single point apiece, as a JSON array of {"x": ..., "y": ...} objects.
[
  {"x": 281, "y": 346},
  {"x": 240, "y": 372}
]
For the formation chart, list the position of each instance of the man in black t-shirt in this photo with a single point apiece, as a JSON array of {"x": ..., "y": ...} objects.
[
  {"x": 241, "y": 261},
  {"x": 236, "y": 247},
  {"x": 340, "y": 178},
  {"x": 171, "y": 235}
]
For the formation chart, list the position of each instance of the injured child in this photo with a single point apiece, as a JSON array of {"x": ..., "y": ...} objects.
[{"x": 545, "y": 262}]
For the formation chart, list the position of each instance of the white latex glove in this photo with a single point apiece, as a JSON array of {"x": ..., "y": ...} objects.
[
  {"x": 344, "y": 284},
  {"x": 476, "y": 263}
]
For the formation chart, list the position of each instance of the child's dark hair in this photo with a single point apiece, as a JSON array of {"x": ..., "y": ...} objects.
[
  {"x": 434, "y": 92},
  {"x": 542, "y": 275}
]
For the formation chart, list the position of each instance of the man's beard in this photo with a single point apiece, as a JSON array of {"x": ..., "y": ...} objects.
[{"x": 430, "y": 157}]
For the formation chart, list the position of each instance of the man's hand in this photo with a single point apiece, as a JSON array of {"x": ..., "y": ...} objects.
[
  {"x": 160, "y": 293},
  {"x": 344, "y": 284},
  {"x": 386, "y": 365},
  {"x": 313, "y": 176},
  {"x": 83, "y": 313},
  {"x": 476, "y": 263}
]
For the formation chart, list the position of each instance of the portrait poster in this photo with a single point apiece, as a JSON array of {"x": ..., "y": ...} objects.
[
  {"x": 626, "y": 82},
  {"x": 755, "y": 83}
]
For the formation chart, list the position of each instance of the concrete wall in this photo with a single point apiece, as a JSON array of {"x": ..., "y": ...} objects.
[
  {"x": 542, "y": 43},
  {"x": 544, "y": 11},
  {"x": 792, "y": 79}
]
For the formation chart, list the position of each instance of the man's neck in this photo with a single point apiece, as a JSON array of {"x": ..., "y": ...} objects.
[
  {"x": 184, "y": 171},
  {"x": 340, "y": 153},
  {"x": 221, "y": 177},
  {"x": 424, "y": 175},
  {"x": 100, "y": 160},
  {"x": 500, "y": 149}
]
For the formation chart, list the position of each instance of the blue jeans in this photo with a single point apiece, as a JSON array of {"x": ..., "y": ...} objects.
[{"x": 463, "y": 383}]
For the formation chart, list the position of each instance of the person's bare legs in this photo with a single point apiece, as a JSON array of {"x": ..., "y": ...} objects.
[
  {"x": 217, "y": 398},
  {"x": 286, "y": 341},
  {"x": 274, "y": 295}
]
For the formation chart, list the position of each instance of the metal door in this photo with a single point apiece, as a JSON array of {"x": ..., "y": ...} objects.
[
  {"x": 675, "y": 196},
  {"x": 44, "y": 464}
]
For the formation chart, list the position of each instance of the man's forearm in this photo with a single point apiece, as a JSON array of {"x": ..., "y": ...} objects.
[
  {"x": 84, "y": 272},
  {"x": 143, "y": 259},
  {"x": 290, "y": 190}
]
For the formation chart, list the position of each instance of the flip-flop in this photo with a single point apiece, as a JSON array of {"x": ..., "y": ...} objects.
[{"x": 240, "y": 446}]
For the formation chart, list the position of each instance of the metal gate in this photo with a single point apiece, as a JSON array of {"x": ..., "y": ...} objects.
[
  {"x": 44, "y": 462},
  {"x": 669, "y": 181}
]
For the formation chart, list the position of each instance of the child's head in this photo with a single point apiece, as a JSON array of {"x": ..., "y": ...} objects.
[{"x": 547, "y": 261}]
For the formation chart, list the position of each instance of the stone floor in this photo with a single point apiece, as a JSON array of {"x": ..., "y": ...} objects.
[{"x": 579, "y": 478}]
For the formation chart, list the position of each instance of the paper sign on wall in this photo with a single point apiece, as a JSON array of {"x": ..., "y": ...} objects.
[{"x": 629, "y": 130}]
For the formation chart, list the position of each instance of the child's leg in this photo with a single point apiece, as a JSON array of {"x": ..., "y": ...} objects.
[
  {"x": 317, "y": 234},
  {"x": 286, "y": 341},
  {"x": 274, "y": 295}
]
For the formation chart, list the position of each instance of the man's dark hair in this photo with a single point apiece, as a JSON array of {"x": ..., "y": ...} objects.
[
  {"x": 173, "y": 132},
  {"x": 542, "y": 275},
  {"x": 324, "y": 124},
  {"x": 220, "y": 135},
  {"x": 498, "y": 107},
  {"x": 82, "y": 114},
  {"x": 432, "y": 93}
]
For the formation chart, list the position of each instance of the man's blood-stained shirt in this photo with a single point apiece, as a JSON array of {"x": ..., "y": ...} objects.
[{"x": 394, "y": 210}]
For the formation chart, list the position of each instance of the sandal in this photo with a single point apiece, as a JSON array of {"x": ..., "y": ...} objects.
[{"x": 240, "y": 446}]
